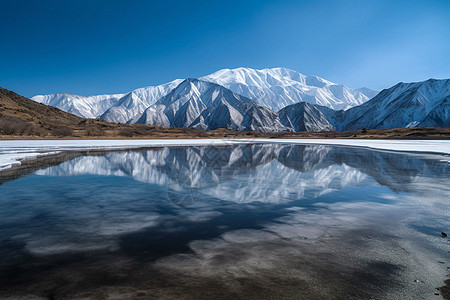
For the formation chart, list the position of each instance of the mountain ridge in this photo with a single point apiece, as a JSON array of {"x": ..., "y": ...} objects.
[
  {"x": 282, "y": 87},
  {"x": 403, "y": 105},
  {"x": 204, "y": 105},
  {"x": 192, "y": 103}
]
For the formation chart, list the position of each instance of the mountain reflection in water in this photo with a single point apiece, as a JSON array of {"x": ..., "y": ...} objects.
[{"x": 224, "y": 213}]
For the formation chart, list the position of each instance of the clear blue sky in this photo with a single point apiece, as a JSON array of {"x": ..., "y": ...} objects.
[{"x": 109, "y": 46}]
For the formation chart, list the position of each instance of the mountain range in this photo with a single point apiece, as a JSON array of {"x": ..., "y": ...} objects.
[
  {"x": 274, "y": 88},
  {"x": 416, "y": 104},
  {"x": 268, "y": 100}
]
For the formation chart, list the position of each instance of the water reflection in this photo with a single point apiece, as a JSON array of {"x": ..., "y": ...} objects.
[
  {"x": 265, "y": 173},
  {"x": 232, "y": 211}
]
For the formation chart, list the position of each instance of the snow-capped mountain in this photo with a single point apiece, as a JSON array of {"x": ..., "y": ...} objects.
[
  {"x": 304, "y": 116},
  {"x": 117, "y": 108},
  {"x": 416, "y": 104},
  {"x": 248, "y": 99},
  {"x": 425, "y": 103},
  {"x": 274, "y": 88},
  {"x": 205, "y": 105},
  {"x": 280, "y": 87},
  {"x": 86, "y": 107},
  {"x": 137, "y": 101}
]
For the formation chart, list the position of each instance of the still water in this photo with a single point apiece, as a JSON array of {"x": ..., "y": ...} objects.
[{"x": 245, "y": 221}]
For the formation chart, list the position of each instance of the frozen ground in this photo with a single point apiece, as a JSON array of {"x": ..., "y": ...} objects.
[{"x": 11, "y": 152}]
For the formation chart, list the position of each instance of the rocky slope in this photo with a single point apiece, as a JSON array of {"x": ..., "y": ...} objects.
[
  {"x": 405, "y": 105},
  {"x": 20, "y": 115},
  {"x": 304, "y": 117},
  {"x": 416, "y": 104},
  {"x": 136, "y": 102},
  {"x": 205, "y": 105}
]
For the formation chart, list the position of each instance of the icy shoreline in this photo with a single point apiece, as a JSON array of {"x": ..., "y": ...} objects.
[{"x": 11, "y": 152}]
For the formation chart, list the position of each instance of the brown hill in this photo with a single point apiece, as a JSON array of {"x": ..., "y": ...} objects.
[
  {"x": 22, "y": 116},
  {"x": 16, "y": 106}
]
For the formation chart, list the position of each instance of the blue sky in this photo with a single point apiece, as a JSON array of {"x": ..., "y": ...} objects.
[{"x": 94, "y": 47}]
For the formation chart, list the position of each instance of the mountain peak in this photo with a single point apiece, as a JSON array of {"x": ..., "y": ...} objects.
[
  {"x": 191, "y": 80},
  {"x": 280, "y": 87},
  {"x": 304, "y": 116},
  {"x": 404, "y": 105}
]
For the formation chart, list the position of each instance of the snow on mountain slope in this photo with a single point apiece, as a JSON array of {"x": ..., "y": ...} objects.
[
  {"x": 439, "y": 116},
  {"x": 117, "y": 108},
  {"x": 304, "y": 116},
  {"x": 205, "y": 105},
  {"x": 86, "y": 107},
  {"x": 280, "y": 87},
  {"x": 137, "y": 101},
  {"x": 275, "y": 88},
  {"x": 425, "y": 103}
]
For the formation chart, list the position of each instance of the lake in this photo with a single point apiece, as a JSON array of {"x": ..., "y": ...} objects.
[{"x": 255, "y": 221}]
